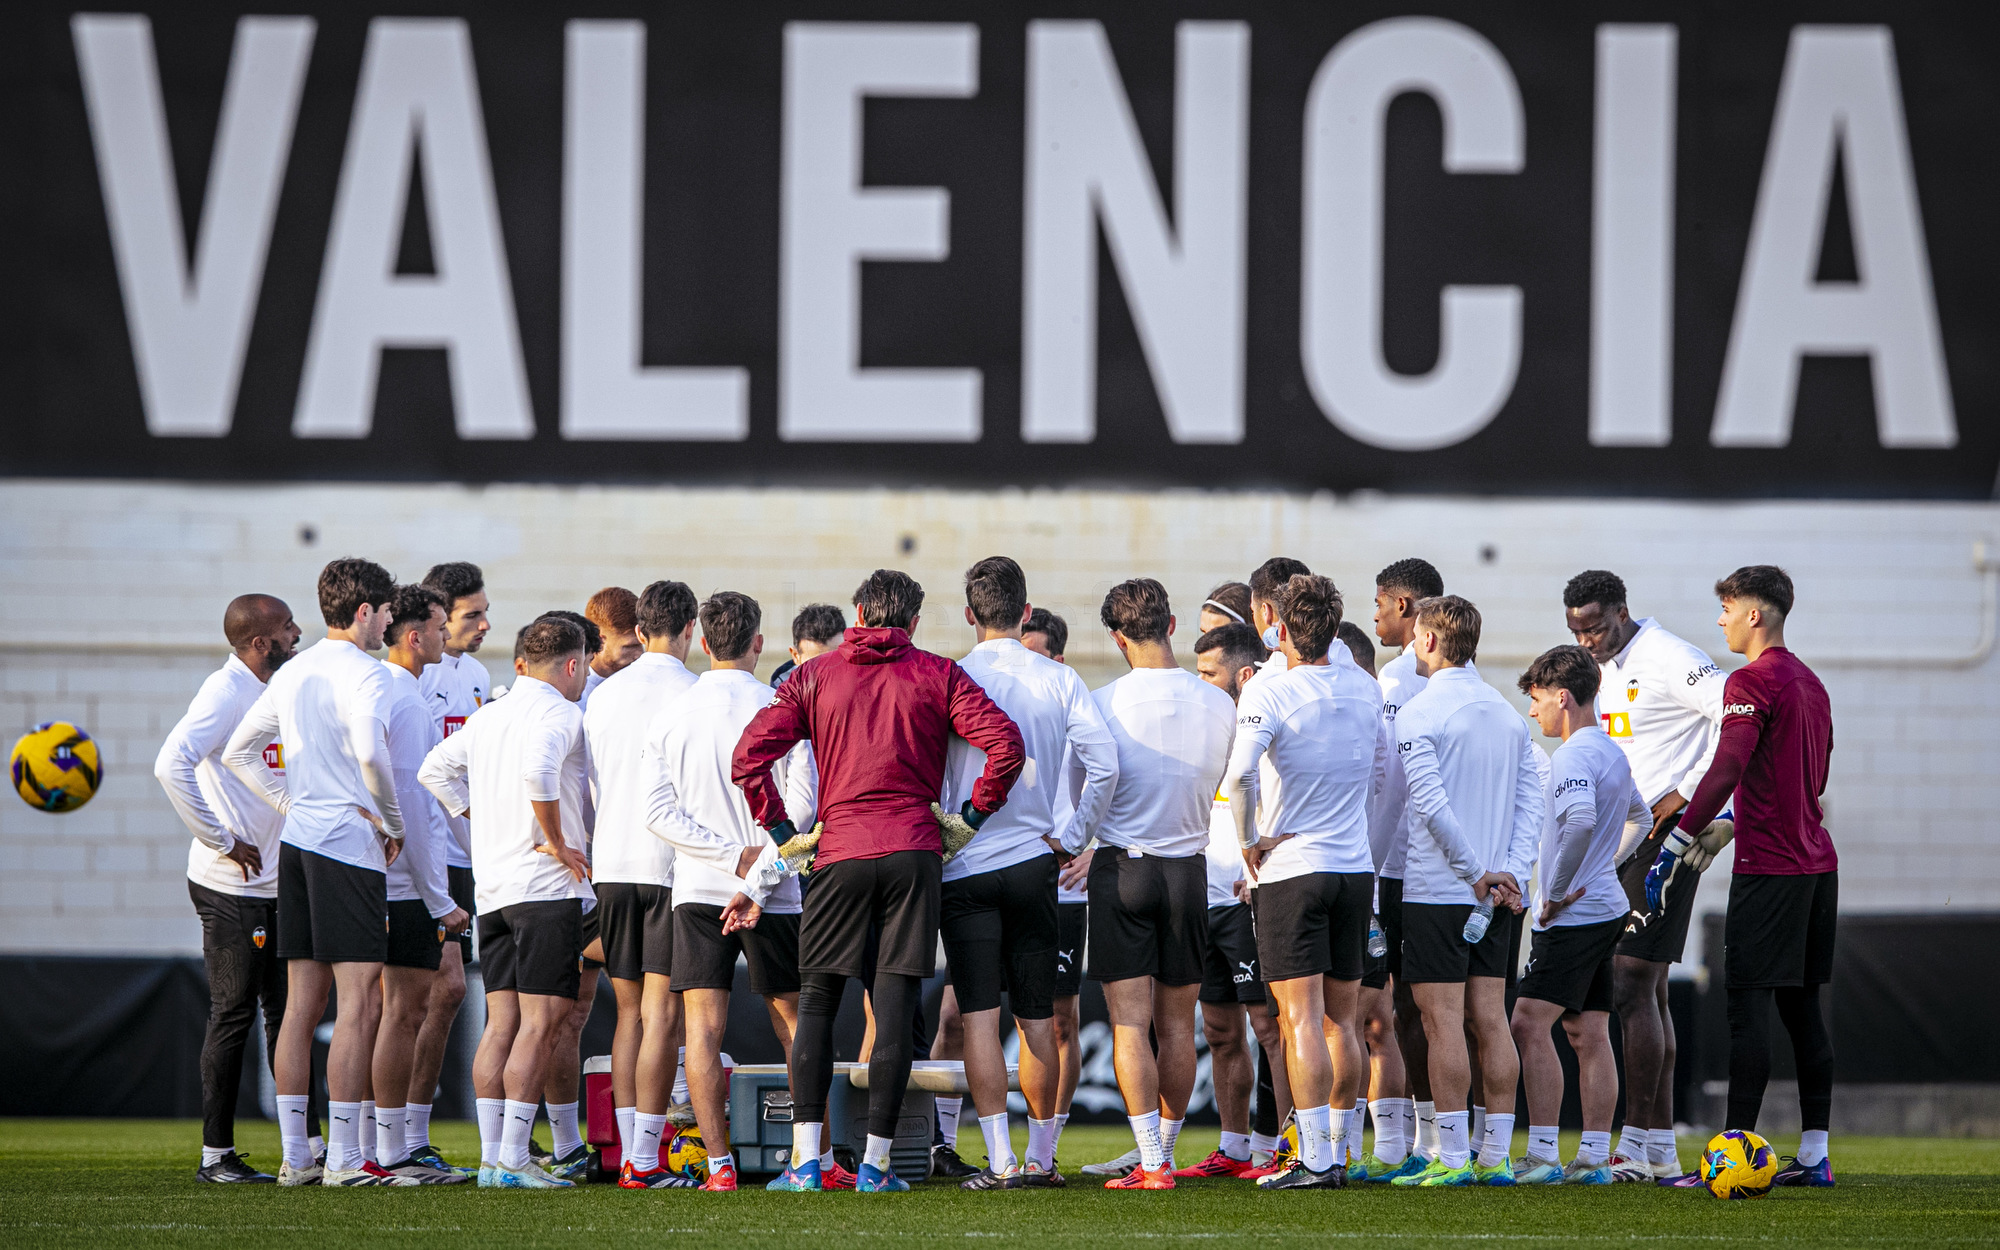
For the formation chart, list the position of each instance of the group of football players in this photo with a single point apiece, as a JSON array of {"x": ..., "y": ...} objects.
[{"x": 1335, "y": 864}]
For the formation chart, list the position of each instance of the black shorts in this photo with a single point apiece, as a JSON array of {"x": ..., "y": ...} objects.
[
  {"x": 415, "y": 940},
  {"x": 1663, "y": 939},
  {"x": 1389, "y": 909},
  {"x": 1570, "y": 965},
  {"x": 705, "y": 957},
  {"x": 330, "y": 911},
  {"x": 1148, "y": 917},
  {"x": 894, "y": 895},
  {"x": 1072, "y": 923},
  {"x": 636, "y": 923},
  {"x": 533, "y": 948},
  {"x": 460, "y": 882},
  {"x": 1779, "y": 930},
  {"x": 593, "y": 918},
  {"x": 999, "y": 931},
  {"x": 1315, "y": 925},
  {"x": 1229, "y": 960},
  {"x": 1434, "y": 946}
]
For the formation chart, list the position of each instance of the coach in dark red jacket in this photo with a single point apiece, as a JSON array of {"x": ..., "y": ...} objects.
[{"x": 879, "y": 714}]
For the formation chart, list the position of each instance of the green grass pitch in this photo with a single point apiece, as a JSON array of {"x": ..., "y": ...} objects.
[{"x": 102, "y": 1183}]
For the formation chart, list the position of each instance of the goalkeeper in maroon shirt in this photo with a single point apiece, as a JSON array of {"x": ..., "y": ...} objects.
[{"x": 1777, "y": 740}]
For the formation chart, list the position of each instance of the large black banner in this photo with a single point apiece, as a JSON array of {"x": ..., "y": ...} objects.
[{"x": 1679, "y": 249}]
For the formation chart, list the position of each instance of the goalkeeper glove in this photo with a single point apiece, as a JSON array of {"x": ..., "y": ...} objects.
[
  {"x": 1720, "y": 832},
  {"x": 1661, "y": 874},
  {"x": 957, "y": 828},
  {"x": 797, "y": 851}
]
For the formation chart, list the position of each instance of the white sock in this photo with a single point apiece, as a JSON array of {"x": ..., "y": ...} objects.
[
  {"x": 1632, "y": 1141},
  {"x": 999, "y": 1146},
  {"x": 1350, "y": 1141},
  {"x": 516, "y": 1129},
  {"x": 718, "y": 1162},
  {"x": 1476, "y": 1126},
  {"x": 367, "y": 1131},
  {"x": 417, "y": 1126},
  {"x": 805, "y": 1144},
  {"x": 1042, "y": 1143},
  {"x": 947, "y": 1112},
  {"x": 877, "y": 1154},
  {"x": 292, "y": 1129},
  {"x": 492, "y": 1114},
  {"x": 1262, "y": 1144},
  {"x": 1498, "y": 1139},
  {"x": 1663, "y": 1151},
  {"x": 343, "y": 1136},
  {"x": 624, "y": 1117},
  {"x": 1393, "y": 1117},
  {"x": 1170, "y": 1136},
  {"x": 648, "y": 1131},
  {"x": 1812, "y": 1146},
  {"x": 1454, "y": 1142},
  {"x": 1235, "y": 1145},
  {"x": 563, "y": 1129},
  {"x": 1062, "y": 1119},
  {"x": 1543, "y": 1145},
  {"x": 1593, "y": 1148},
  {"x": 826, "y": 1161},
  {"x": 681, "y": 1076},
  {"x": 1146, "y": 1129},
  {"x": 213, "y": 1154},
  {"x": 1316, "y": 1137},
  {"x": 317, "y": 1145},
  {"x": 390, "y": 1136},
  {"x": 1427, "y": 1128}
]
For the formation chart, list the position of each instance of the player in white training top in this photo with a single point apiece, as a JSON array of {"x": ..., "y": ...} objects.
[
  {"x": 719, "y": 914},
  {"x": 632, "y": 871},
  {"x": 1149, "y": 877},
  {"x": 519, "y": 765},
  {"x": 1405, "y": 1126},
  {"x": 997, "y": 914},
  {"x": 1579, "y": 915},
  {"x": 232, "y": 868},
  {"x": 1320, "y": 723},
  {"x": 1661, "y": 700},
  {"x": 1476, "y": 789},
  {"x": 453, "y": 688},
  {"x": 423, "y": 919},
  {"x": 330, "y": 706}
]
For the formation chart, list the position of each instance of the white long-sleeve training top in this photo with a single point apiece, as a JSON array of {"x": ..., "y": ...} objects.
[
  {"x": 527, "y": 747},
  {"x": 1591, "y": 798},
  {"x": 1394, "y": 816},
  {"x": 1173, "y": 732},
  {"x": 694, "y": 806},
  {"x": 1321, "y": 727},
  {"x": 1474, "y": 786},
  {"x": 1661, "y": 700},
  {"x": 453, "y": 689},
  {"x": 616, "y": 725},
  {"x": 419, "y": 871},
  {"x": 212, "y": 801},
  {"x": 1060, "y": 727},
  {"x": 329, "y": 705}
]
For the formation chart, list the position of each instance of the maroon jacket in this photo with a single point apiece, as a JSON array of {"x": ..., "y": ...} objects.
[{"x": 879, "y": 714}]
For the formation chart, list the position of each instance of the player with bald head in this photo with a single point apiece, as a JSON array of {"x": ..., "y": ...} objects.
[{"x": 232, "y": 868}]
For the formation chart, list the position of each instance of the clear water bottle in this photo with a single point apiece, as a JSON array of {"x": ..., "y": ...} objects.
[
  {"x": 1476, "y": 923},
  {"x": 1378, "y": 941}
]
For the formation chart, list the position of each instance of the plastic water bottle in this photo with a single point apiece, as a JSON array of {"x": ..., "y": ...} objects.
[
  {"x": 1475, "y": 924},
  {"x": 1378, "y": 941}
]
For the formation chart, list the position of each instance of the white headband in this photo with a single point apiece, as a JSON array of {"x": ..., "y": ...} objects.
[{"x": 1225, "y": 609}]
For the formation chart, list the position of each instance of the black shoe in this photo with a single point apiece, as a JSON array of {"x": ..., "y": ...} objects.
[
  {"x": 987, "y": 1178},
  {"x": 946, "y": 1163},
  {"x": 1032, "y": 1177},
  {"x": 1303, "y": 1177},
  {"x": 231, "y": 1170}
]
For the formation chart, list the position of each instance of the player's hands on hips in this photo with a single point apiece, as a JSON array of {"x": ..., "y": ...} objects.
[
  {"x": 569, "y": 857},
  {"x": 247, "y": 857},
  {"x": 740, "y": 913},
  {"x": 1670, "y": 804},
  {"x": 1556, "y": 906},
  {"x": 1075, "y": 874},
  {"x": 456, "y": 922}
]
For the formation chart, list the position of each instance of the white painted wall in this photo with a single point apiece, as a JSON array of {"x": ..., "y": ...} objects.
[{"x": 114, "y": 597}]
